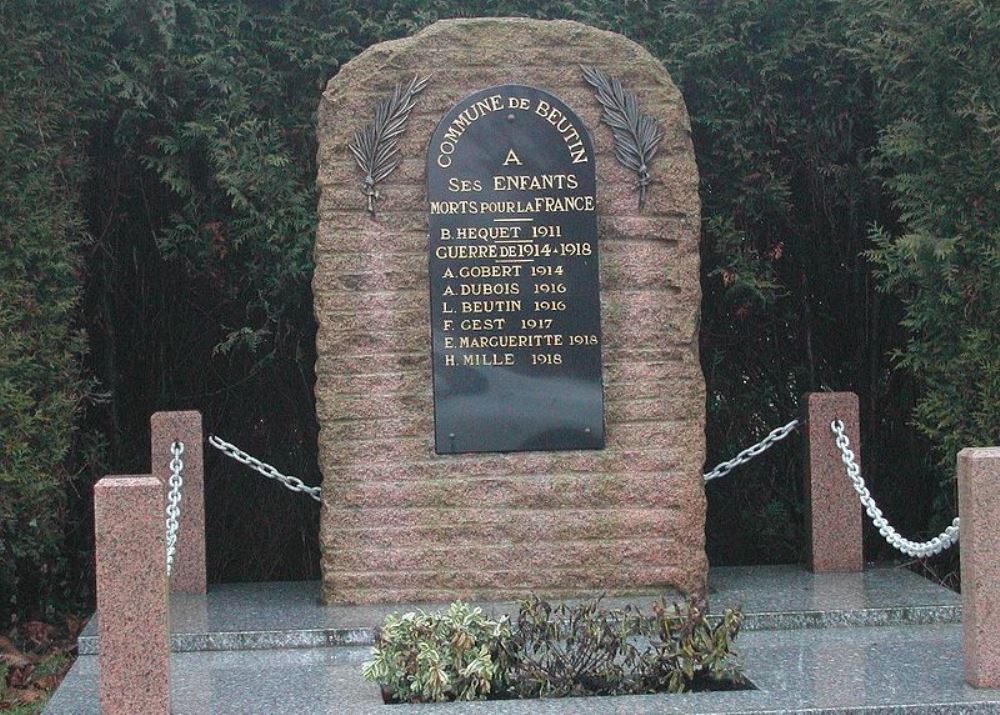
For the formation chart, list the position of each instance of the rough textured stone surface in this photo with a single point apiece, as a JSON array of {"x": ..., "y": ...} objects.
[
  {"x": 399, "y": 521},
  {"x": 132, "y": 596},
  {"x": 979, "y": 508},
  {"x": 188, "y": 572},
  {"x": 833, "y": 512}
]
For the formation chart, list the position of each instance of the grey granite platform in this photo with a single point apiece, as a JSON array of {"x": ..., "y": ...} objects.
[
  {"x": 886, "y": 641},
  {"x": 891, "y": 669},
  {"x": 289, "y": 615}
]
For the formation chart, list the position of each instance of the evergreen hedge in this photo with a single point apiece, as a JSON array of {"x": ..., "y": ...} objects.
[
  {"x": 46, "y": 53},
  {"x": 936, "y": 68}
]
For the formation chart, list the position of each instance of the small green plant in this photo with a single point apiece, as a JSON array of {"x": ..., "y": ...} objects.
[
  {"x": 588, "y": 650},
  {"x": 571, "y": 650},
  {"x": 432, "y": 657},
  {"x": 554, "y": 651},
  {"x": 687, "y": 651}
]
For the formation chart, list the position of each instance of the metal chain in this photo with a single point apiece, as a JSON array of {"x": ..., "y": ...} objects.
[
  {"x": 292, "y": 483},
  {"x": 775, "y": 436},
  {"x": 939, "y": 543},
  {"x": 297, "y": 485},
  {"x": 175, "y": 482},
  {"x": 917, "y": 549}
]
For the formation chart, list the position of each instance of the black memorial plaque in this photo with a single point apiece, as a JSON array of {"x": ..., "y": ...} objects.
[{"x": 515, "y": 301}]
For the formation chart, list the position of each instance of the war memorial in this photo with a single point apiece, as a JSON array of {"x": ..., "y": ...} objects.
[
  {"x": 511, "y": 402},
  {"x": 508, "y": 364}
]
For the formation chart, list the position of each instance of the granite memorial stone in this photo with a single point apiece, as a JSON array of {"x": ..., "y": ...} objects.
[{"x": 507, "y": 297}]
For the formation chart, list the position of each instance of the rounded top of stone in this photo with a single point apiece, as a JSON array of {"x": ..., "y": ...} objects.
[
  {"x": 465, "y": 25},
  {"x": 498, "y": 34}
]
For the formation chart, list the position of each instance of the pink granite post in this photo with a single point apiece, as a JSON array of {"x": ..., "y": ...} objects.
[
  {"x": 188, "y": 570},
  {"x": 132, "y": 609},
  {"x": 833, "y": 512},
  {"x": 979, "y": 509}
]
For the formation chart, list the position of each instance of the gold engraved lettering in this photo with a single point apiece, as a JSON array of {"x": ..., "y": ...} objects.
[
  {"x": 546, "y": 340},
  {"x": 459, "y": 124},
  {"x": 488, "y": 272},
  {"x": 479, "y": 324},
  {"x": 464, "y": 185},
  {"x": 487, "y": 232},
  {"x": 454, "y": 207},
  {"x": 488, "y": 359},
  {"x": 512, "y": 159},
  {"x": 488, "y": 317},
  {"x": 542, "y": 182},
  {"x": 460, "y": 253},
  {"x": 490, "y": 306},
  {"x": 539, "y": 204},
  {"x": 489, "y": 289},
  {"x": 569, "y": 133}
]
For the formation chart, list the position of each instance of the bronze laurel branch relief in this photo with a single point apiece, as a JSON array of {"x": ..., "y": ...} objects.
[
  {"x": 374, "y": 147},
  {"x": 637, "y": 135}
]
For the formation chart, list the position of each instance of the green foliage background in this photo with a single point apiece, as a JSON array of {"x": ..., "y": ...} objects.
[
  {"x": 45, "y": 102},
  {"x": 940, "y": 153},
  {"x": 158, "y": 170}
]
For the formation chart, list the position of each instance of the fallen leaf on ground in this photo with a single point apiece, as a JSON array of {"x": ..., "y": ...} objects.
[
  {"x": 46, "y": 682},
  {"x": 39, "y": 632},
  {"x": 20, "y": 677},
  {"x": 12, "y": 656},
  {"x": 26, "y": 696}
]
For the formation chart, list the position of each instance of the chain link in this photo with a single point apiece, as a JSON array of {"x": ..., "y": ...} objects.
[
  {"x": 292, "y": 483},
  {"x": 297, "y": 485},
  {"x": 939, "y": 543},
  {"x": 775, "y": 436},
  {"x": 175, "y": 482},
  {"x": 916, "y": 549}
]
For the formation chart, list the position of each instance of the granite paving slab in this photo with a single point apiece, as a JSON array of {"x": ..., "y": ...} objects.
[
  {"x": 774, "y": 597},
  {"x": 255, "y": 616},
  {"x": 913, "y": 669}
]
